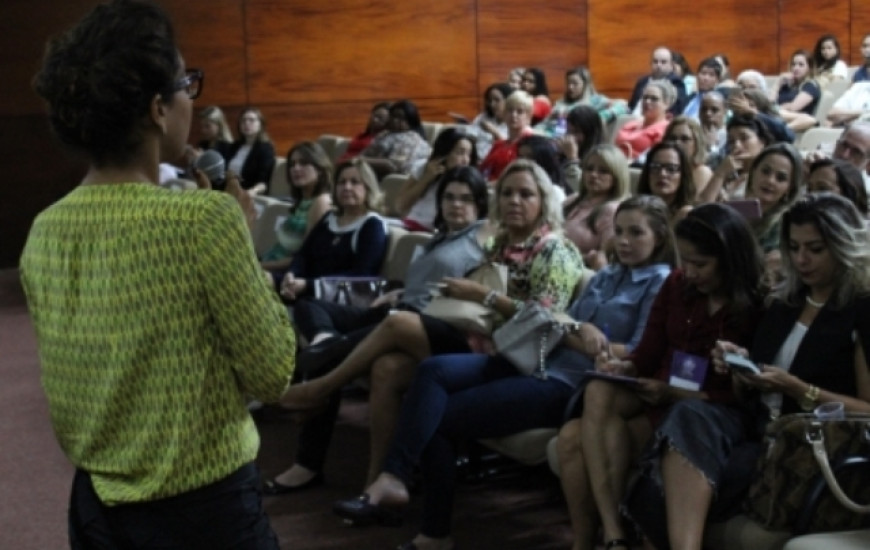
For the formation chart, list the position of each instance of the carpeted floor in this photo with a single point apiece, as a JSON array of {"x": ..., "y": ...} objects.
[{"x": 519, "y": 512}]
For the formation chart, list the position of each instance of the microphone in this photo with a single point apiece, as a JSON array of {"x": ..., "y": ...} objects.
[{"x": 212, "y": 164}]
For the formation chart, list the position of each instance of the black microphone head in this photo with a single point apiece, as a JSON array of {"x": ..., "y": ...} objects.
[{"x": 212, "y": 164}]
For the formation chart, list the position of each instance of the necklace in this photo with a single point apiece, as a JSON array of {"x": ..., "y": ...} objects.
[{"x": 815, "y": 304}]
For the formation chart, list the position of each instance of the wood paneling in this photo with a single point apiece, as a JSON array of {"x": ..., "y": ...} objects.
[
  {"x": 317, "y": 52},
  {"x": 860, "y": 28},
  {"x": 802, "y": 22},
  {"x": 515, "y": 33},
  {"x": 623, "y": 34}
]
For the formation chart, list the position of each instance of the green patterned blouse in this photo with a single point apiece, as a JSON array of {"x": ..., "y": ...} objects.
[{"x": 153, "y": 322}]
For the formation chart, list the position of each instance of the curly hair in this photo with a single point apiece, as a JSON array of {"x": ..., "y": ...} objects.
[{"x": 100, "y": 77}]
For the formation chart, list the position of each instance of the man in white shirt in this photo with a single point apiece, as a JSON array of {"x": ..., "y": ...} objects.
[{"x": 852, "y": 105}]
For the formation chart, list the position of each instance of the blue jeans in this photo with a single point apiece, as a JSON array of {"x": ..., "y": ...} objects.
[
  {"x": 460, "y": 397},
  {"x": 227, "y": 514}
]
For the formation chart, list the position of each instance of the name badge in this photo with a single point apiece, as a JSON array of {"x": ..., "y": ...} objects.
[{"x": 688, "y": 371}]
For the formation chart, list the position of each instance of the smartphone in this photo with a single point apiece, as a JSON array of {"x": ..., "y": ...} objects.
[{"x": 740, "y": 363}]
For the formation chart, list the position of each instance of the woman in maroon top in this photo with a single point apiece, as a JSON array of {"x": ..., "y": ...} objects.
[{"x": 716, "y": 295}]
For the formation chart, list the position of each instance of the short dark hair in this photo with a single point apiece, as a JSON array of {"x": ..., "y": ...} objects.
[
  {"x": 447, "y": 140},
  {"x": 100, "y": 77},
  {"x": 720, "y": 231},
  {"x": 544, "y": 155},
  {"x": 471, "y": 177},
  {"x": 711, "y": 63},
  {"x": 754, "y": 124},
  {"x": 587, "y": 120}
]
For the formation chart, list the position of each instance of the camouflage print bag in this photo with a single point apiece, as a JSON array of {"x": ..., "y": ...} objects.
[{"x": 799, "y": 450}]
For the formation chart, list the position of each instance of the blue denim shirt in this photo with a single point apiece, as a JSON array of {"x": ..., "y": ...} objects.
[{"x": 617, "y": 300}]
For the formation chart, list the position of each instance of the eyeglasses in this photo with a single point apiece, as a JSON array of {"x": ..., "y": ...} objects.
[
  {"x": 191, "y": 82},
  {"x": 850, "y": 150},
  {"x": 651, "y": 98},
  {"x": 465, "y": 198},
  {"x": 665, "y": 167}
]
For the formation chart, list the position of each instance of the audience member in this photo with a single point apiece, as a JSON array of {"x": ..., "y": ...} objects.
[
  {"x": 684, "y": 71},
  {"x": 349, "y": 240},
  {"x": 635, "y": 137},
  {"x": 518, "y": 116},
  {"x": 515, "y": 77},
  {"x": 854, "y": 104},
  {"x": 797, "y": 93},
  {"x": 712, "y": 119},
  {"x": 716, "y": 294},
  {"x": 378, "y": 119},
  {"x": 709, "y": 74},
  {"x": 838, "y": 177},
  {"x": 687, "y": 133},
  {"x": 667, "y": 174},
  {"x": 252, "y": 155},
  {"x": 751, "y": 79},
  {"x": 580, "y": 90},
  {"x": 726, "y": 83},
  {"x": 214, "y": 130},
  {"x": 754, "y": 102},
  {"x": 460, "y": 397},
  {"x": 826, "y": 60},
  {"x": 589, "y": 213},
  {"x": 152, "y": 316},
  {"x": 417, "y": 201},
  {"x": 309, "y": 172},
  {"x": 863, "y": 72},
  {"x": 404, "y": 144},
  {"x": 585, "y": 131},
  {"x": 542, "y": 151},
  {"x": 662, "y": 65},
  {"x": 335, "y": 330},
  {"x": 747, "y": 137},
  {"x": 535, "y": 84},
  {"x": 808, "y": 346},
  {"x": 489, "y": 126}
]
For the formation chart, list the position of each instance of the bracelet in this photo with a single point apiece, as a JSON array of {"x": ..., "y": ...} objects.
[
  {"x": 490, "y": 298},
  {"x": 810, "y": 399}
]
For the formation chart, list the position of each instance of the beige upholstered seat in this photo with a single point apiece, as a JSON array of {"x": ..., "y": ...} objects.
[
  {"x": 278, "y": 184},
  {"x": 611, "y": 129},
  {"x": 334, "y": 146},
  {"x": 844, "y": 540},
  {"x": 816, "y": 137},
  {"x": 271, "y": 213},
  {"x": 404, "y": 246},
  {"x": 390, "y": 186},
  {"x": 824, "y": 105}
]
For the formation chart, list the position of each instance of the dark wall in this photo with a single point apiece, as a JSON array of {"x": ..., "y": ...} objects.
[{"x": 316, "y": 67}]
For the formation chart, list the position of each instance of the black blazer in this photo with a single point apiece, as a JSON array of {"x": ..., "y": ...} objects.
[
  {"x": 259, "y": 164},
  {"x": 825, "y": 356}
]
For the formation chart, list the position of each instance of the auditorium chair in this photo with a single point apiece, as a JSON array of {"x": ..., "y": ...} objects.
[
  {"x": 611, "y": 129},
  {"x": 334, "y": 146},
  {"x": 815, "y": 137},
  {"x": 279, "y": 187},
  {"x": 390, "y": 186},
  {"x": 271, "y": 213}
]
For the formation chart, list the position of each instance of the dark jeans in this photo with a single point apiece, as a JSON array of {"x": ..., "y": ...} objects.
[
  {"x": 460, "y": 397},
  {"x": 227, "y": 514}
]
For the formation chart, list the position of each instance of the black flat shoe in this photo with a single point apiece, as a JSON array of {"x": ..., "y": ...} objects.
[
  {"x": 271, "y": 487},
  {"x": 359, "y": 512},
  {"x": 321, "y": 358}
]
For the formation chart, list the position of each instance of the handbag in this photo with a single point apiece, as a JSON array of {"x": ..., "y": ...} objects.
[
  {"x": 527, "y": 338},
  {"x": 351, "y": 291},
  {"x": 467, "y": 315},
  {"x": 800, "y": 451}
]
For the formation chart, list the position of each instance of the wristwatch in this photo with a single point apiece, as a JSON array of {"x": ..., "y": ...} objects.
[{"x": 810, "y": 400}]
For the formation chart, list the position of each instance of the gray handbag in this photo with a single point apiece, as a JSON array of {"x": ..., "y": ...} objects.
[{"x": 527, "y": 338}]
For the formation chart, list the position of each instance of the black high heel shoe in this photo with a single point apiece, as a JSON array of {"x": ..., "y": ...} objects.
[
  {"x": 321, "y": 358},
  {"x": 360, "y": 512}
]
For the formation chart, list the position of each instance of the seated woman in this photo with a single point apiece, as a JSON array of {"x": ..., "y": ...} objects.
[
  {"x": 826, "y": 60},
  {"x": 667, "y": 174},
  {"x": 310, "y": 175},
  {"x": 775, "y": 179},
  {"x": 377, "y": 124},
  {"x": 712, "y": 119},
  {"x": 417, "y": 200},
  {"x": 810, "y": 345},
  {"x": 349, "y": 240},
  {"x": 542, "y": 266},
  {"x": 518, "y": 117},
  {"x": 683, "y": 70},
  {"x": 756, "y": 103},
  {"x": 589, "y": 214},
  {"x": 214, "y": 132},
  {"x": 456, "y": 249},
  {"x": 252, "y": 155},
  {"x": 686, "y": 132},
  {"x": 714, "y": 296},
  {"x": 637, "y": 136},
  {"x": 747, "y": 137},
  {"x": 489, "y": 126},
  {"x": 542, "y": 151},
  {"x": 456, "y": 398},
  {"x": 535, "y": 84},
  {"x": 797, "y": 93},
  {"x": 402, "y": 146},
  {"x": 841, "y": 178},
  {"x": 584, "y": 132},
  {"x": 515, "y": 78},
  {"x": 579, "y": 90}
]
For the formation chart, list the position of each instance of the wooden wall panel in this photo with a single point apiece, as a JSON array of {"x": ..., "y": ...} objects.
[
  {"x": 549, "y": 35},
  {"x": 860, "y": 18},
  {"x": 623, "y": 34},
  {"x": 798, "y": 31},
  {"x": 316, "y": 52}
]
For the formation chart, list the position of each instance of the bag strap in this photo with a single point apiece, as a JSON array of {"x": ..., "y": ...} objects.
[{"x": 816, "y": 438}]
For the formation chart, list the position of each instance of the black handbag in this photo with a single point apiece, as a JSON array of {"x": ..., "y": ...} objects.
[{"x": 351, "y": 291}]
